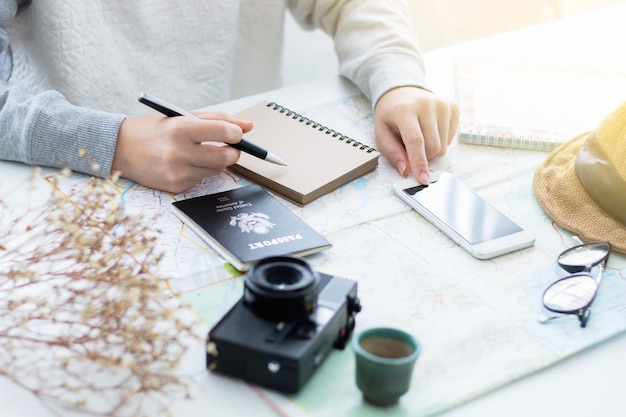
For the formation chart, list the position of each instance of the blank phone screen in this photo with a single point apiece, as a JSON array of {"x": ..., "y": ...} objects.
[{"x": 463, "y": 210}]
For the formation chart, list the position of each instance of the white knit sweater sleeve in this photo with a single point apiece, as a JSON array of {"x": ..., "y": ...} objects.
[{"x": 374, "y": 41}]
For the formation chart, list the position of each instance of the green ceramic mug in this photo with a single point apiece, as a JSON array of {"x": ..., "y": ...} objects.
[{"x": 385, "y": 358}]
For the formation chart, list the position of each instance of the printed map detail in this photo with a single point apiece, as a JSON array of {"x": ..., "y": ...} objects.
[{"x": 477, "y": 320}]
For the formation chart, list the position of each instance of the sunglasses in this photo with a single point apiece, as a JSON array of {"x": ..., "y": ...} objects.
[{"x": 574, "y": 293}]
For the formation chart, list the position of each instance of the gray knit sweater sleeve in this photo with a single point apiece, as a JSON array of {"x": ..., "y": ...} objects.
[{"x": 44, "y": 129}]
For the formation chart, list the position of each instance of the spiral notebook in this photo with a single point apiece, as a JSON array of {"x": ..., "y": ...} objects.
[
  {"x": 530, "y": 104},
  {"x": 319, "y": 159}
]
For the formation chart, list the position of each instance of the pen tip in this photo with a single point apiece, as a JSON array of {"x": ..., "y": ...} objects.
[{"x": 270, "y": 157}]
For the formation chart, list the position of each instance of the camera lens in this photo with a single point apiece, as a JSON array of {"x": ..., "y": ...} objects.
[
  {"x": 283, "y": 278},
  {"x": 281, "y": 288}
]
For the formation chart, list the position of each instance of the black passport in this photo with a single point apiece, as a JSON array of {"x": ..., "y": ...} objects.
[{"x": 247, "y": 224}]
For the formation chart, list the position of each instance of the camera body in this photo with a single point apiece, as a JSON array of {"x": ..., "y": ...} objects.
[{"x": 288, "y": 320}]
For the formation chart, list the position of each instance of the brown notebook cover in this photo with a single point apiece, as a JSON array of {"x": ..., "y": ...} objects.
[{"x": 319, "y": 160}]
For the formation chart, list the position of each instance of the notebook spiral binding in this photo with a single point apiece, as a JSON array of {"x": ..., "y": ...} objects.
[{"x": 303, "y": 119}]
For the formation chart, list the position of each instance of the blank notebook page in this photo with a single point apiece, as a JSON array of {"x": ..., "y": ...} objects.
[{"x": 319, "y": 160}]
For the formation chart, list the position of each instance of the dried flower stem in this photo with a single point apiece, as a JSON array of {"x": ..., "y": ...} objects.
[{"x": 83, "y": 322}]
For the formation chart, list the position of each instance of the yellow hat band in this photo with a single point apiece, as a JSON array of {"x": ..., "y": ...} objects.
[{"x": 600, "y": 178}]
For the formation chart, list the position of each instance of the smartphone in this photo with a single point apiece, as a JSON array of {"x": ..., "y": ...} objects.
[{"x": 464, "y": 216}]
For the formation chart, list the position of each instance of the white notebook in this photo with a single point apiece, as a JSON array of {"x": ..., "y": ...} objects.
[{"x": 532, "y": 105}]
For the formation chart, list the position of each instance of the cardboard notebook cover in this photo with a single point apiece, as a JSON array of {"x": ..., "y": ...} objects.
[
  {"x": 319, "y": 160},
  {"x": 247, "y": 224}
]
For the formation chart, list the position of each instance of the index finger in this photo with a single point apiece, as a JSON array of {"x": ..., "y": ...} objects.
[
  {"x": 245, "y": 125},
  {"x": 202, "y": 130},
  {"x": 411, "y": 133}
]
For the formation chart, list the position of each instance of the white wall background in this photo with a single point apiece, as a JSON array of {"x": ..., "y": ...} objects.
[
  {"x": 307, "y": 55},
  {"x": 310, "y": 55}
]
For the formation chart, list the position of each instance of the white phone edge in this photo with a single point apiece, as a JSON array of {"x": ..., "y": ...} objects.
[{"x": 484, "y": 250}]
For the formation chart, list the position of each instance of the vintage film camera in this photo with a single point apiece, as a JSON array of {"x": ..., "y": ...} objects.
[{"x": 288, "y": 320}]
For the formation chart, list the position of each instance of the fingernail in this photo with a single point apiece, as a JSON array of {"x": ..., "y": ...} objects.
[
  {"x": 424, "y": 178},
  {"x": 401, "y": 167}
]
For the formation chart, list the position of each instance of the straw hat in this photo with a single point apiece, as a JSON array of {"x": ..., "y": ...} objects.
[{"x": 582, "y": 183}]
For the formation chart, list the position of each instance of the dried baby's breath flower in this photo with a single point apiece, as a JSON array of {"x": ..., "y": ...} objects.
[{"x": 83, "y": 323}]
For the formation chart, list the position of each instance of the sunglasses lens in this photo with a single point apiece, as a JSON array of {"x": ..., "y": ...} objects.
[
  {"x": 570, "y": 294},
  {"x": 583, "y": 257}
]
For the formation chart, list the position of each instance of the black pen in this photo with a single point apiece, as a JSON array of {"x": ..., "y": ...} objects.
[{"x": 171, "y": 111}]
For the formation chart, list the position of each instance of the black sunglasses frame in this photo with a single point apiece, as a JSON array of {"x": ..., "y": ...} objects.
[{"x": 578, "y": 271}]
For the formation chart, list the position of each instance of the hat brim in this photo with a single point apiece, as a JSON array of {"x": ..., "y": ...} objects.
[{"x": 564, "y": 199}]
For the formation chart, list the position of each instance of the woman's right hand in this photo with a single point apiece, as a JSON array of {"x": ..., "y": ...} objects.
[{"x": 175, "y": 153}]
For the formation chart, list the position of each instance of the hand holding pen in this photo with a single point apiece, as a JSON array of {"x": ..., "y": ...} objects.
[
  {"x": 172, "y": 111},
  {"x": 173, "y": 153}
]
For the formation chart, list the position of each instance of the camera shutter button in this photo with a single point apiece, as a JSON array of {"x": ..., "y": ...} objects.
[{"x": 273, "y": 367}]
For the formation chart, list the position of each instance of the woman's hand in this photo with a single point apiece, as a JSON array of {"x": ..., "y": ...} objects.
[
  {"x": 175, "y": 153},
  {"x": 413, "y": 125}
]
